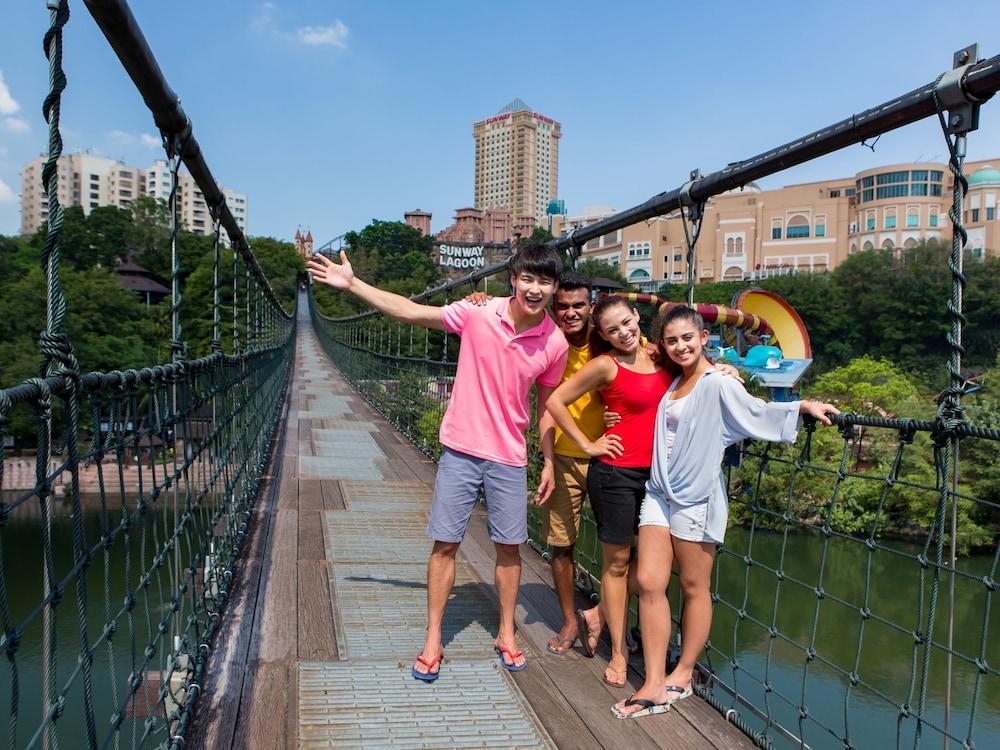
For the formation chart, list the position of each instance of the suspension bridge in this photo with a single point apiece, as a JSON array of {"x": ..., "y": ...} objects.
[{"x": 238, "y": 558}]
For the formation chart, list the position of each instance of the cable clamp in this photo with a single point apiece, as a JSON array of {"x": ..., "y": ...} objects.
[{"x": 963, "y": 108}]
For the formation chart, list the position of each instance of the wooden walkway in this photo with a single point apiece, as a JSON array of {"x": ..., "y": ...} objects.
[{"x": 327, "y": 613}]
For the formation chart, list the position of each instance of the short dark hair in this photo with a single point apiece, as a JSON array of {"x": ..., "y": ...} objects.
[
  {"x": 570, "y": 280},
  {"x": 539, "y": 259}
]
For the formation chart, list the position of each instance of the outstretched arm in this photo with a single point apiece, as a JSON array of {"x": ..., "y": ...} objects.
[{"x": 396, "y": 306}]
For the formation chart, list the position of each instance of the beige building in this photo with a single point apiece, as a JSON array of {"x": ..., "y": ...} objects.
[
  {"x": 90, "y": 181},
  {"x": 754, "y": 233},
  {"x": 192, "y": 210},
  {"x": 84, "y": 180},
  {"x": 517, "y": 161}
]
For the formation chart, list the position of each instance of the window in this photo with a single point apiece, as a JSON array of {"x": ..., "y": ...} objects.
[
  {"x": 834, "y": 193},
  {"x": 932, "y": 216},
  {"x": 820, "y": 225},
  {"x": 936, "y": 175},
  {"x": 850, "y": 192},
  {"x": 888, "y": 178},
  {"x": 975, "y": 214},
  {"x": 936, "y": 190},
  {"x": 990, "y": 214},
  {"x": 892, "y": 191},
  {"x": 867, "y": 195},
  {"x": 868, "y": 245},
  {"x": 889, "y": 218},
  {"x": 870, "y": 222},
  {"x": 919, "y": 175},
  {"x": 677, "y": 258},
  {"x": 918, "y": 188},
  {"x": 798, "y": 227},
  {"x": 775, "y": 229},
  {"x": 888, "y": 245},
  {"x": 912, "y": 217}
]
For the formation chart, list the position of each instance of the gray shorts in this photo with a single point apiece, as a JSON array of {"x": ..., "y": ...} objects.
[{"x": 456, "y": 489}]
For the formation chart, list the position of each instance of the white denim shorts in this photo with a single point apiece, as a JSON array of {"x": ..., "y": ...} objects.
[{"x": 692, "y": 523}]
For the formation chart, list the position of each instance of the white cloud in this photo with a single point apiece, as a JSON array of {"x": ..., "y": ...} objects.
[
  {"x": 6, "y": 194},
  {"x": 8, "y": 105},
  {"x": 145, "y": 139},
  {"x": 16, "y": 125},
  {"x": 318, "y": 35}
]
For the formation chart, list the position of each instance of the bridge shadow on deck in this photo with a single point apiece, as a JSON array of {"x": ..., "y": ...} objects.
[{"x": 327, "y": 612}]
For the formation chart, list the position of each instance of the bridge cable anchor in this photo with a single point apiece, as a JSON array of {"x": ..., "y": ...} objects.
[{"x": 962, "y": 106}]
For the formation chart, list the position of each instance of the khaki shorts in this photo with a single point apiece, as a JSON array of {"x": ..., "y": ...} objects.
[{"x": 561, "y": 514}]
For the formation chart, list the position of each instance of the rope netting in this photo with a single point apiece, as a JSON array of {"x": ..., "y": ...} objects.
[
  {"x": 838, "y": 621},
  {"x": 144, "y": 483}
]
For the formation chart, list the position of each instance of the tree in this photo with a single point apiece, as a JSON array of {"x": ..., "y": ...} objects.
[
  {"x": 595, "y": 268},
  {"x": 150, "y": 224},
  {"x": 109, "y": 234},
  {"x": 388, "y": 254},
  {"x": 539, "y": 236}
]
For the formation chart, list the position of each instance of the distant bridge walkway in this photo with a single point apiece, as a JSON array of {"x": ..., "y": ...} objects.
[{"x": 328, "y": 612}]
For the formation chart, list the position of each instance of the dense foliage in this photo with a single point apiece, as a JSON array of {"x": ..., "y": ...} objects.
[
  {"x": 388, "y": 254},
  {"x": 110, "y": 326},
  {"x": 885, "y": 305}
]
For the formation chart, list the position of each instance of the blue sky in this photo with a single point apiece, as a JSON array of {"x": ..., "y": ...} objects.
[{"x": 329, "y": 114}]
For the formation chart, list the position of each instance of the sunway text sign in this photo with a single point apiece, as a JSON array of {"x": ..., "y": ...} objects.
[{"x": 468, "y": 257}]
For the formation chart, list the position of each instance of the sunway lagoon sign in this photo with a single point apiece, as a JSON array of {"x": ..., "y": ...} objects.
[{"x": 462, "y": 256}]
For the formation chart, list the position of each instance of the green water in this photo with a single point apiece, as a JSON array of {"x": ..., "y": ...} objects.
[
  {"x": 111, "y": 575},
  {"x": 867, "y": 714}
]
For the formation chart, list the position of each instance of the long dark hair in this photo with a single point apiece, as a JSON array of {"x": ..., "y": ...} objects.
[{"x": 598, "y": 345}]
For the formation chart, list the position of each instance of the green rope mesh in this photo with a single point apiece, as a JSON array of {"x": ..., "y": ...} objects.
[
  {"x": 784, "y": 577},
  {"x": 145, "y": 481}
]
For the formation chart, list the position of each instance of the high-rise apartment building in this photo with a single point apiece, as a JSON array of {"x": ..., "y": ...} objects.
[
  {"x": 517, "y": 161},
  {"x": 84, "y": 180},
  {"x": 192, "y": 210},
  {"x": 90, "y": 181}
]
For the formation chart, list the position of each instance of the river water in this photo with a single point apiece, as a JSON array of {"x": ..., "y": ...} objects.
[
  {"x": 888, "y": 666},
  {"x": 114, "y": 572}
]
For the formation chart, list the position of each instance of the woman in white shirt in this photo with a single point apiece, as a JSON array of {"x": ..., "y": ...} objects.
[{"x": 685, "y": 509}]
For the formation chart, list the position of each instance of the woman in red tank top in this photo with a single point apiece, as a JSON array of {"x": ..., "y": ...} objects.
[{"x": 631, "y": 383}]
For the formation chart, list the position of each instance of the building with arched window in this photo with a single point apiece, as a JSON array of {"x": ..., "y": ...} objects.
[{"x": 806, "y": 228}]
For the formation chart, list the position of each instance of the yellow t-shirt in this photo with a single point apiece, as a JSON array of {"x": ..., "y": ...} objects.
[{"x": 587, "y": 411}]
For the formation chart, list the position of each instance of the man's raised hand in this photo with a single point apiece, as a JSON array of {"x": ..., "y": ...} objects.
[{"x": 325, "y": 271}]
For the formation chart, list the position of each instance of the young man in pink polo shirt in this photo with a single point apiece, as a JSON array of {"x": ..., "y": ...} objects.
[{"x": 507, "y": 346}]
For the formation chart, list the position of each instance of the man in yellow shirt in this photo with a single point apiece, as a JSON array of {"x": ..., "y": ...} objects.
[{"x": 572, "y": 307}]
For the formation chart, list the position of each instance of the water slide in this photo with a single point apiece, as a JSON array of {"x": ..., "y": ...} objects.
[{"x": 789, "y": 332}]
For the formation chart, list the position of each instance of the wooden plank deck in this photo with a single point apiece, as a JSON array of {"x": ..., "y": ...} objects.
[{"x": 283, "y": 629}]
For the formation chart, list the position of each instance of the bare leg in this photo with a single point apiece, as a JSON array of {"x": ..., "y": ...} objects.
[
  {"x": 655, "y": 559},
  {"x": 563, "y": 576},
  {"x": 614, "y": 603},
  {"x": 508, "y": 579},
  {"x": 440, "y": 580},
  {"x": 694, "y": 564}
]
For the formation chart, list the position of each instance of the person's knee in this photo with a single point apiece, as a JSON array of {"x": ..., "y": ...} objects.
[
  {"x": 618, "y": 566},
  {"x": 651, "y": 582},
  {"x": 508, "y": 554},
  {"x": 445, "y": 550},
  {"x": 694, "y": 587},
  {"x": 562, "y": 554}
]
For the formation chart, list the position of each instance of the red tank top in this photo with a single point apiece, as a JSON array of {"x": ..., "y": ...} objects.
[{"x": 635, "y": 397}]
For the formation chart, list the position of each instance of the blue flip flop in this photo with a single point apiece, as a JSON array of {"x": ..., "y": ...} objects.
[
  {"x": 501, "y": 650},
  {"x": 426, "y": 676}
]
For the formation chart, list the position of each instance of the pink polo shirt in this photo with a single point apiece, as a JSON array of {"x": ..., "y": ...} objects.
[{"x": 489, "y": 410}]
